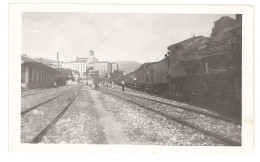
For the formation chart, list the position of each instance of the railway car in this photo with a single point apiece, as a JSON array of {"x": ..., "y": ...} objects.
[
  {"x": 137, "y": 78},
  {"x": 59, "y": 81},
  {"x": 158, "y": 75},
  {"x": 144, "y": 80},
  {"x": 128, "y": 79}
]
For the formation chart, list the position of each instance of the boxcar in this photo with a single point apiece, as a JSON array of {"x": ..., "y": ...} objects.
[
  {"x": 137, "y": 77},
  {"x": 157, "y": 74},
  {"x": 144, "y": 74}
]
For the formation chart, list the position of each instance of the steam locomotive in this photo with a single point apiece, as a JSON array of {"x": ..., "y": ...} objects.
[{"x": 205, "y": 71}]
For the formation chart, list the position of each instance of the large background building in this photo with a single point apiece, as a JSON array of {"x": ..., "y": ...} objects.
[
  {"x": 114, "y": 67},
  {"x": 102, "y": 67},
  {"x": 84, "y": 65},
  {"x": 80, "y": 64}
]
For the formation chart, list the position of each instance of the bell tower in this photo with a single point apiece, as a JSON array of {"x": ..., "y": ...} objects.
[{"x": 91, "y": 54}]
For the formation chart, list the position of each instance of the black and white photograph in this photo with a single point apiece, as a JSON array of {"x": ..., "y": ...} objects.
[{"x": 132, "y": 76}]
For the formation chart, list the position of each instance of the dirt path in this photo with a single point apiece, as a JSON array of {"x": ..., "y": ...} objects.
[
  {"x": 112, "y": 128},
  {"x": 79, "y": 125}
]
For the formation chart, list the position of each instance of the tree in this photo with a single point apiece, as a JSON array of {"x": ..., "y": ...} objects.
[
  {"x": 87, "y": 70},
  {"x": 116, "y": 74}
]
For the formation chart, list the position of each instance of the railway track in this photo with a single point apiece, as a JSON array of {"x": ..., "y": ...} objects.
[
  {"x": 25, "y": 94},
  {"x": 23, "y": 112},
  {"x": 186, "y": 117},
  {"x": 36, "y": 137},
  {"x": 223, "y": 116},
  {"x": 207, "y": 113}
]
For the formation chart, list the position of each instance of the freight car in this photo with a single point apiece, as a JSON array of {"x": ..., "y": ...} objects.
[
  {"x": 60, "y": 81},
  {"x": 152, "y": 76},
  {"x": 157, "y": 75},
  {"x": 200, "y": 70}
]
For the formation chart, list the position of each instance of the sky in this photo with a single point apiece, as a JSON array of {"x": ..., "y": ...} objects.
[{"x": 112, "y": 36}]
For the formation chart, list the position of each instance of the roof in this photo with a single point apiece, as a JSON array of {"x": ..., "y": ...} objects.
[
  {"x": 45, "y": 60},
  {"x": 151, "y": 63},
  {"x": 26, "y": 59},
  {"x": 81, "y": 58},
  {"x": 188, "y": 43},
  {"x": 78, "y": 61},
  {"x": 100, "y": 62},
  {"x": 145, "y": 64}
]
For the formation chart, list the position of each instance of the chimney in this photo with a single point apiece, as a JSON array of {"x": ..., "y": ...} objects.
[{"x": 57, "y": 60}]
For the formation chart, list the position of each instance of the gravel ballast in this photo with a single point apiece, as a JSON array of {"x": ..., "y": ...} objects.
[
  {"x": 98, "y": 118},
  {"x": 226, "y": 129},
  {"x": 34, "y": 121},
  {"x": 143, "y": 127},
  {"x": 32, "y": 100},
  {"x": 79, "y": 125}
]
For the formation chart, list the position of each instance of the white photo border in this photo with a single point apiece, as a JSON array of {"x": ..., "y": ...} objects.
[{"x": 15, "y": 46}]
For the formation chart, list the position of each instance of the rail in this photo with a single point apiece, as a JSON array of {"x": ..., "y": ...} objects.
[{"x": 214, "y": 135}]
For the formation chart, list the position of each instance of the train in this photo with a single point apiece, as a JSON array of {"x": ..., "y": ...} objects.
[{"x": 205, "y": 71}]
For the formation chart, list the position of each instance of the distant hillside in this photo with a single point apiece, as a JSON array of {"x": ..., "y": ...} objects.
[{"x": 127, "y": 66}]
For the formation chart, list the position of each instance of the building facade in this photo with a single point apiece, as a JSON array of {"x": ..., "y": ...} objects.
[
  {"x": 102, "y": 67},
  {"x": 80, "y": 66},
  {"x": 66, "y": 65},
  {"x": 114, "y": 67}
]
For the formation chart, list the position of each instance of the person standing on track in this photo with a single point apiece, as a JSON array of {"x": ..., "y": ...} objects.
[
  {"x": 95, "y": 83},
  {"x": 123, "y": 85}
]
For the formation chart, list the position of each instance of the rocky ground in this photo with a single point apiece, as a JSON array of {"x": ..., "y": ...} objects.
[
  {"x": 227, "y": 129},
  {"x": 34, "y": 121},
  {"x": 97, "y": 118}
]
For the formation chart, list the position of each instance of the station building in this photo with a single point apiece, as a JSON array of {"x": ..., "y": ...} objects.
[{"x": 35, "y": 74}]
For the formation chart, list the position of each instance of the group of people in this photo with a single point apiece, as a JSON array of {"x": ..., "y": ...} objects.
[{"x": 108, "y": 85}]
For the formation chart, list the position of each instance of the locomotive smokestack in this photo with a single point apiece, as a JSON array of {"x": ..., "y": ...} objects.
[{"x": 239, "y": 17}]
